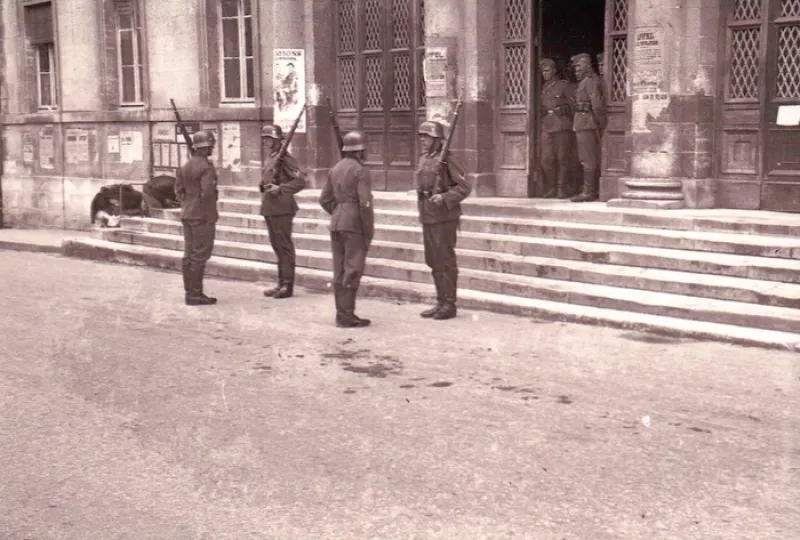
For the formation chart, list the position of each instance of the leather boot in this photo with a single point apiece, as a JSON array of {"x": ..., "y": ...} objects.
[
  {"x": 285, "y": 290},
  {"x": 449, "y": 291},
  {"x": 186, "y": 277},
  {"x": 348, "y": 318},
  {"x": 196, "y": 297},
  {"x": 273, "y": 291},
  {"x": 430, "y": 312},
  {"x": 590, "y": 188}
]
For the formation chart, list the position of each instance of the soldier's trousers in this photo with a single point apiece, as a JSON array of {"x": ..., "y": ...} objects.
[
  {"x": 589, "y": 155},
  {"x": 440, "y": 255},
  {"x": 280, "y": 237},
  {"x": 198, "y": 243},
  {"x": 555, "y": 160},
  {"x": 349, "y": 251}
]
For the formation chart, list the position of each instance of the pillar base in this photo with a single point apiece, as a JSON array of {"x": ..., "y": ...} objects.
[
  {"x": 653, "y": 193},
  {"x": 646, "y": 204}
]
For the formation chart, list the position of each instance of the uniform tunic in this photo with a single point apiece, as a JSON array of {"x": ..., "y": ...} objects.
[
  {"x": 279, "y": 210},
  {"x": 347, "y": 197},
  {"x": 590, "y": 121},
  {"x": 440, "y": 222}
]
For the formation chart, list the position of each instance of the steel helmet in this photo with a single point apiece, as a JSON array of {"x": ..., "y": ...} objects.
[
  {"x": 203, "y": 139},
  {"x": 271, "y": 130},
  {"x": 354, "y": 141},
  {"x": 432, "y": 129}
]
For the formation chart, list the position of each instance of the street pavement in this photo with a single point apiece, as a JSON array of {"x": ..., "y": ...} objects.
[{"x": 125, "y": 414}]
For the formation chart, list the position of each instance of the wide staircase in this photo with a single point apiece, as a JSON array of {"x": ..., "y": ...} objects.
[{"x": 713, "y": 274}]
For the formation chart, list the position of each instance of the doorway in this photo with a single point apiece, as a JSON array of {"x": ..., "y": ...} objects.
[{"x": 569, "y": 28}]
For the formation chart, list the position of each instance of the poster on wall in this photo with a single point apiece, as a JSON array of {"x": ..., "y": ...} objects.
[
  {"x": 231, "y": 146},
  {"x": 130, "y": 146},
  {"x": 435, "y": 68},
  {"x": 290, "y": 88},
  {"x": 27, "y": 147},
  {"x": 46, "y": 149},
  {"x": 76, "y": 145},
  {"x": 648, "y": 54}
]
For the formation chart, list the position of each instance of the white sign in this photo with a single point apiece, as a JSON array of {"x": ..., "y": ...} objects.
[
  {"x": 648, "y": 62},
  {"x": 788, "y": 115},
  {"x": 435, "y": 67},
  {"x": 130, "y": 146},
  {"x": 290, "y": 88},
  {"x": 231, "y": 146},
  {"x": 113, "y": 144}
]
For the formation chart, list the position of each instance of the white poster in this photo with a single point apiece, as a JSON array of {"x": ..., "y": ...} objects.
[
  {"x": 435, "y": 67},
  {"x": 290, "y": 88},
  {"x": 46, "y": 148},
  {"x": 113, "y": 144},
  {"x": 231, "y": 146},
  {"x": 130, "y": 146},
  {"x": 788, "y": 115}
]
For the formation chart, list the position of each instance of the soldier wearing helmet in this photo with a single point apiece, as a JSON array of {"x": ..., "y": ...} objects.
[
  {"x": 589, "y": 124},
  {"x": 556, "y": 126},
  {"x": 347, "y": 197},
  {"x": 196, "y": 189},
  {"x": 440, "y": 191},
  {"x": 279, "y": 183}
]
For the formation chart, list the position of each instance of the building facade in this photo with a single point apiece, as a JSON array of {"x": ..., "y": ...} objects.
[{"x": 694, "y": 88}]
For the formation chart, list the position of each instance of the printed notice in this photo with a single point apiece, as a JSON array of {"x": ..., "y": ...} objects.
[
  {"x": 113, "y": 144},
  {"x": 27, "y": 148},
  {"x": 76, "y": 145},
  {"x": 46, "y": 149},
  {"x": 435, "y": 67},
  {"x": 788, "y": 115},
  {"x": 290, "y": 88},
  {"x": 130, "y": 146},
  {"x": 231, "y": 146},
  {"x": 648, "y": 53}
]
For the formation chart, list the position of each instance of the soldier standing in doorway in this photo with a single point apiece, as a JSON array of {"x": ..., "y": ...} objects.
[
  {"x": 279, "y": 183},
  {"x": 556, "y": 131},
  {"x": 347, "y": 197},
  {"x": 589, "y": 123},
  {"x": 440, "y": 191},
  {"x": 196, "y": 189}
]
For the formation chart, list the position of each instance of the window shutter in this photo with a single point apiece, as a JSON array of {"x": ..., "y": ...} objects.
[{"x": 39, "y": 23}]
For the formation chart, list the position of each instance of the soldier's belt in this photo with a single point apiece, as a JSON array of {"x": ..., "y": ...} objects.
[{"x": 584, "y": 107}]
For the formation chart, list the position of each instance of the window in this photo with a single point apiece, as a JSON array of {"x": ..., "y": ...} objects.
[
  {"x": 237, "y": 51},
  {"x": 39, "y": 33},
  {"x": 129, "y": 53}
]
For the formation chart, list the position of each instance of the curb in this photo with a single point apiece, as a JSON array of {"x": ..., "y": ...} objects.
[
  {"x": 11, "y": 245},
  {"x": 319, "y": 281}
]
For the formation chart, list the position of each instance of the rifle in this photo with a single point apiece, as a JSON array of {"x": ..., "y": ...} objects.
[
  {"x": 285, "y": 146},
  {"x": 336, "y": 130},
  {"x": 182, "y": 126},
  {"x": 444, "y": 155}
]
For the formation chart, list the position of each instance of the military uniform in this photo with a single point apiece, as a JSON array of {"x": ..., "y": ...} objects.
[
  {"x": 279, "y": 211},
  {"x": 196, "y": 189},
  {"x": 589, "y": 123},
  {"x": 556, "y": 135},
  {"x": 347, "y": 196},
  {"x": 440, "y": 226}
]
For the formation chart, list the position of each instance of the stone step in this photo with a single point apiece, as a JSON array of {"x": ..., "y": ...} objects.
[
  {"x": 718, "y": 220},
  {"x": 698, "y": 262},
  {"x": 528, "y": 286},
  {"x": 383, "y": 247},
  {"x": 739, "y": 244},
  {"x": 315, "y": 279}
]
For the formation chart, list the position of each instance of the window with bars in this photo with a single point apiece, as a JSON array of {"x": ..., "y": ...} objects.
[
  {"x": 129, "y": 53},
  {"x": 787, "y": 77},
  {"x": 515, "y": 52},
  {"x": 618, "y": 63},
  {"x": 41, "y": 39},
  {"x": 237, "y": 50},
  {"x": 377, "y": 43},
  {"x": 744, "y": 48}
]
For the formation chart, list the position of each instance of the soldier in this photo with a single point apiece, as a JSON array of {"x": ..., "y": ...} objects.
[
  {"x": 439, "y": 194},
  {"x": 196, "y": 189},
  {"x": 588, "y": 124},
  {"x": 279, "y": 207},
  {"x": 556, "y": 130},
  {"x": 347, "y": 196}
]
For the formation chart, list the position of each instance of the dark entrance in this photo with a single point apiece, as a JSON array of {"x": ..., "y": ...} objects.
[{"x": 569, "y": 28}]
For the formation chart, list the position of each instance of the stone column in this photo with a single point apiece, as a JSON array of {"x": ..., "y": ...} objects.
[{"x": 672, "y": 54}]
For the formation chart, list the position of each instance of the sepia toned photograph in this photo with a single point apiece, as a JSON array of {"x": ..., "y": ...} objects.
[{"x": 400, "y": 269}]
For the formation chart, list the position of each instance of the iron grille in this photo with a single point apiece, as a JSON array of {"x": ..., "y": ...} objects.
[
  {"x": 619, "y": 69},
  {"x": 790, "y": 8},
  {"x": 421, "y": 23},
  {"x": 347, "y": 83},
  {"x": 402, "y": 81},
  {"x": 620, "y": 15},
  {"x": 421, "y": 79},
  {"x": 347, "y": 26},
  {"x": 743, "y": 83},
  {"x": 372, "y": 25},
  {"x": 400, "y": 33},
  {"x": 516, "y": 19},
  {"x": 788, "y": 79},
  {"x": 373, "y": 87},
  {"x": 746, "y": 10},
  {"x": 515, "y": 89}
]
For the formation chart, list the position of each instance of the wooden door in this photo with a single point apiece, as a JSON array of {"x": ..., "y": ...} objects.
[
  {"x": 380, "y": 90},
  {"x": 615, "y": 85}
]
